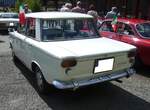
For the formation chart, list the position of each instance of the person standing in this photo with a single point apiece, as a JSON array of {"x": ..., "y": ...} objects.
[
  {"x": 78, "y": 8},
  {"x": 66, "y": 8},
  {"x": 26, "y": 9},
  {"x": 112, "y": 13},
  {"x": 92, "y": 11}
]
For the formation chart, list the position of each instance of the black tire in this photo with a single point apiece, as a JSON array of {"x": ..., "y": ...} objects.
[
  {"x": 14, "y": 57},
  {"x": 40, "y": 81},
  {"x": 138, "y": 63}
]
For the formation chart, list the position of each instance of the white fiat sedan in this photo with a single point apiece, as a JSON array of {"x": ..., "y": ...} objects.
[{"x": 65, "y": 50}]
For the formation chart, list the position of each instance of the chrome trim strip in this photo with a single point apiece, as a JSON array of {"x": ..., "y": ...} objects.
[{"x": 77, "y": 84}]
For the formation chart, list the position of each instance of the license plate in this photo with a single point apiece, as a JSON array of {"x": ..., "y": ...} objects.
[{"x": 104, "y": 65}]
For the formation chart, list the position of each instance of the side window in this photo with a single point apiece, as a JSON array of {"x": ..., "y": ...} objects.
[
  {"x": 128, "y": 30},
  {"x": 124, "y": 29},
  {"x": 30, "y": 27},
  {"x": 106, "y": 26}
]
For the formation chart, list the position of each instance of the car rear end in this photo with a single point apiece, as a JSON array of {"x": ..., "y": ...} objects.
[
  {"x": 4, "y": 25},
  {"x": 96, "y": 68}
]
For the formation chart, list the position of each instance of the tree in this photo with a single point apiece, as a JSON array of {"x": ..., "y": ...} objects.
[
  {"x": 18, "y": 3},
  {"x": 34, "y": 5}
]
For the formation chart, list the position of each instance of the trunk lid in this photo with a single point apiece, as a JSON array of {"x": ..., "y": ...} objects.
[{"x": 86, "y": 48}]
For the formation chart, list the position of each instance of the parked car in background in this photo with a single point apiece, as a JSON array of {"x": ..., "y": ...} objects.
[
  {"x": 8, "y": 20},
  {"x": 132, "y": 31},
  {"x": 66, "y": 51}
]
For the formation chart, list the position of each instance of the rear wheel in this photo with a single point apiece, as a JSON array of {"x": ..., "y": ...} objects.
[
  {"x": 13, "y": 53},
  {"x": 14, "y": 56},
  {"x": 41, "y": 83},
  {"x": 138, "y": 63}
]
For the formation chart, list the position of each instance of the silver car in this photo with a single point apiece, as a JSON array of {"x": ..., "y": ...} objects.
[{"x": 8, "y": 20}]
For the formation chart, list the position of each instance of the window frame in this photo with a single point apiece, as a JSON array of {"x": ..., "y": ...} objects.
[
  {"x": 28, "y": 22},
  {"x": 139, "y": 32},
  {"x": 105, "y": 24}
]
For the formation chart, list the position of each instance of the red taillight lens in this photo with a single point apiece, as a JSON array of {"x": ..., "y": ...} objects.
[{"x": 70, "y": 62}]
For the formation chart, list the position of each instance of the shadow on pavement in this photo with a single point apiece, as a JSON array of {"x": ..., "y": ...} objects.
[
  {"x": 104, "y": 96},
  {"x": 145, "y": 71},
  {"x": 2, "y": 41},
  {"x": 4, "y": 32}
]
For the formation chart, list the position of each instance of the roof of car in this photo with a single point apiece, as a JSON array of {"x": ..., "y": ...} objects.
[
  {"x": 57, "y": 15},
  {"x": 130, "y": 20}
]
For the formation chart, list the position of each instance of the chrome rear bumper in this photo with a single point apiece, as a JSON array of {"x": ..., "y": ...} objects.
[{"x": 79, "y": 83}]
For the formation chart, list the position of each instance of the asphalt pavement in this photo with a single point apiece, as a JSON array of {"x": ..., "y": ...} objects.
[{"x": 18, "y": 90}]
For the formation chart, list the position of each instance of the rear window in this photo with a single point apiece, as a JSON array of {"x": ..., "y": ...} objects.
[
  {"x": 68, "y": 29},
  {"x": 9, "y": 15}
]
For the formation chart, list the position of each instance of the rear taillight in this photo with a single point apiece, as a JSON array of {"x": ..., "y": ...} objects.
[
  {"x": 132, "y": 53},
  {"x": 131, "y": 56},
  {"x": 69, "y": 62}
]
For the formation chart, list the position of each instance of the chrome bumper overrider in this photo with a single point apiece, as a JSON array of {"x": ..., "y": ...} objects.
[{"x": 79, "y": 83}]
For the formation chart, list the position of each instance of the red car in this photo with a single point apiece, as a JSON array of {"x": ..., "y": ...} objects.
[{"x": 132, "y": 31}]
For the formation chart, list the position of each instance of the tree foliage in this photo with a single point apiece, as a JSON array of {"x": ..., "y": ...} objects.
[{"x": 34, "y": 5}]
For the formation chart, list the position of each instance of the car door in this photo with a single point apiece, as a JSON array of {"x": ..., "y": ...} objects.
[
  {"x": 29, "y": 41},
  {"x": 16, "y": 39},
  {"x": 143, "y": 43},
  {"x": 106, "y": 30},
  {"x": 143, "y": 46}
]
